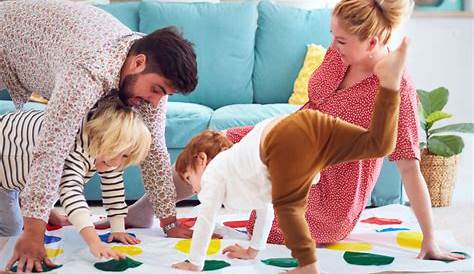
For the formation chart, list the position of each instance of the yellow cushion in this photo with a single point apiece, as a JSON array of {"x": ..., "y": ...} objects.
[
  {"x": 314, "y": 58},
  {"x": 35, "y": 97}
]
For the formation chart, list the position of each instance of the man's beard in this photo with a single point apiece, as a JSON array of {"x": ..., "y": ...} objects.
[{"x": 126, "y": 88}]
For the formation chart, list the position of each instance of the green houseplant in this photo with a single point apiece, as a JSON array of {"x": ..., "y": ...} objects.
[{"x": 440, "y": 150}]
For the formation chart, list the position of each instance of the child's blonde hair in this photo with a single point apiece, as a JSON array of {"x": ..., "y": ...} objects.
[
  {"x": 209, "y": 142},
  {"x": 114, "y": 128},
  {"x": 372, "y": 18}
]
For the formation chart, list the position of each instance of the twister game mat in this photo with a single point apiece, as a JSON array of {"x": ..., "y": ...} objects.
[{"x": 385, "y": 239}]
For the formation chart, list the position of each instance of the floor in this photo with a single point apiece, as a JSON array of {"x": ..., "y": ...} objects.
[{"x": 458, "y": 218}]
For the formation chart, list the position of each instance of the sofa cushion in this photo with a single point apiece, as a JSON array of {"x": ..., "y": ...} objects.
[
  {"x": 7, "y": 106},
  {"x": 247, "y": 114},
  {"x": 280, "y": 46},
  {"x": 183, "y": 121},
  {"x": 127, "y": 13},
  {"x": 4, "y": 95},
  {"x": 224, "y": 47}
]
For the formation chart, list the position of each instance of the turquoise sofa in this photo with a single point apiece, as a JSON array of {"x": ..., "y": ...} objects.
[{"x": 248, "y": 57}]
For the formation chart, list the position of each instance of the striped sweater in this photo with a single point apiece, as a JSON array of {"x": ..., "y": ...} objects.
[{"x": 19, "y": 131}]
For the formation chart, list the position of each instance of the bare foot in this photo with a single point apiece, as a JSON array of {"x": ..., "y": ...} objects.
[
  {"x": 57, "y": 218},
  {"x": 307, "y": 269},
  {"x": 389, "y": 69}
]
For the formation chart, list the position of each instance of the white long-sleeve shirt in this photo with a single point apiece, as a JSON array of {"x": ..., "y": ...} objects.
[{"x": 238, "y": 179}]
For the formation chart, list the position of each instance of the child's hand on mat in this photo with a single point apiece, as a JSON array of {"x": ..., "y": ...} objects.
[
  {"x": 186, "y": 266},
  {"x": 307, "y": 269},
  {"x": 124, "y": 238},
  {"x": 179, "y": 232},
  {"x": 390, "y": 68},
  {"x": 238, "y": 252},
  {"x": 100, "y": 250},
  {"x": 29, "y": 252},
  {"x": 56, "y": 217},
  {"x": 430, "y": 251}
]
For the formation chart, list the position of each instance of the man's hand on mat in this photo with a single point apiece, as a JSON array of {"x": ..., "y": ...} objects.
[
  {"x": 307, "y": 269},
  {"x": 29, "y": 249},
  {"x": 238, "y": 252},
  {"x": 179, "y": 232},
  {"x": 100, "y": 250},
  {"x": 186, "y": 266},
  {"x": 124, "y": 238},
  {"x": 430, "y": 251}
]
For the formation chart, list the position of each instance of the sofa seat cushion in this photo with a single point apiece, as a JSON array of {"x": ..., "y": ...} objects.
[
  {"x": 183, "y": 121},
  {"x": 7, "y": 106},
  {"x": 247, "y": 114}
]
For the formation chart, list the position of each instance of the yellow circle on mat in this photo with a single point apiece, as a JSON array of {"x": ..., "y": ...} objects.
[
  {"x": 350, "y": 246},
  {"x": 54, "y": 252},
  {"x": 185, "y": 246},
  {"x": 410, "y": 239},
  {"x": 129, "y": 250}
]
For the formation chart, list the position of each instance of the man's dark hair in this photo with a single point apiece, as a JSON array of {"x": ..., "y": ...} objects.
[{"x": 169, "y": 55}]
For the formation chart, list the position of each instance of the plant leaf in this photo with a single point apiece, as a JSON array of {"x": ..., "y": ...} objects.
[
  {"x": 434, "y": 100},
  {"x": 462, "y": 127},
  {"x": 422, "y": 115},
  {"x": 421, "y": 110},
  {"x": 437, "y": 116},
  {"x": 446, "y": 146},
  {"x": 422, "y": 145}
]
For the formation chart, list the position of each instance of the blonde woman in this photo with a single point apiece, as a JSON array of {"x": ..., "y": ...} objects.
[
  {"x": 345, "y": 86},
  {"x": 111, "y": 138}
]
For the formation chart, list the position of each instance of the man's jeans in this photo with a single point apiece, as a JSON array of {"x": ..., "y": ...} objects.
[{"x": 11, "y": 220}]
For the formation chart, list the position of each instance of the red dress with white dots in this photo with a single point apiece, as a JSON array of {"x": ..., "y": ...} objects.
[{"x": 336, "y": 202}]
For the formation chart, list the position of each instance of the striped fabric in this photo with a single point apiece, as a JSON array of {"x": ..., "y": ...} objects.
[{"x": 19, "y": 131}]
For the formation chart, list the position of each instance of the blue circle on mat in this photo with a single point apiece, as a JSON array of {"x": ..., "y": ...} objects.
[
  {"x": 105, "y": 237},
  {"x": 51, "y": 239}
]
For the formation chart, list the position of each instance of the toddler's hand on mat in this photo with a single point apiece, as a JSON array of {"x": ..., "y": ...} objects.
[
  {"x": 430, "y": 251},
  {"x": 238, "y": 252},
  {"x": 186, "y": 266},
  {"x": 100, "y": 250},
  {"x": 124, "y": 238}
]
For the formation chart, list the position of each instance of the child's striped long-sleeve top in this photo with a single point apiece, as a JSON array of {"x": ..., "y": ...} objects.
[{"x": 18, "y": 137}]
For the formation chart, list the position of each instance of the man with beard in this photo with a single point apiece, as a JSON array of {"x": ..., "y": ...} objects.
[{"x": 74, "y": 55}]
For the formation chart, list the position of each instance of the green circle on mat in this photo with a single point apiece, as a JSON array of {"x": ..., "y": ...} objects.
[
  {"x": 45, "y": 268},
  {"x": 466, "y": 256},
  {"x": 210, "y": 265},
  {"x": 114, "y": 266},
  {"x": 360, "y": 258},
  {"x": 281, "y": 262}
]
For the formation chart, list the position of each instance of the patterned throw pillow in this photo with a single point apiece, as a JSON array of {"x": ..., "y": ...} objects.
[{"x": 314, "y": 58}]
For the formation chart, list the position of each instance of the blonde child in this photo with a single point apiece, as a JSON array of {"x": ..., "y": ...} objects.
[
  {"x": 261, "y": 172},
  {"x": 111, "y": 138}
]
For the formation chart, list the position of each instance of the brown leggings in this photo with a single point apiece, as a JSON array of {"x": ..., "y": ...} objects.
[{"x": 303, "y": 144}]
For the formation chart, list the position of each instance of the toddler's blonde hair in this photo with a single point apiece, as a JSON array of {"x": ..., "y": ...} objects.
[
  {"x": 372, "y": 18},
  {"x": 115, "y": 128}
]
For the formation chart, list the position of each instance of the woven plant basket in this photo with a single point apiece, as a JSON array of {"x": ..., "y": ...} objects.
[{"x": 440, "y": 175}]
